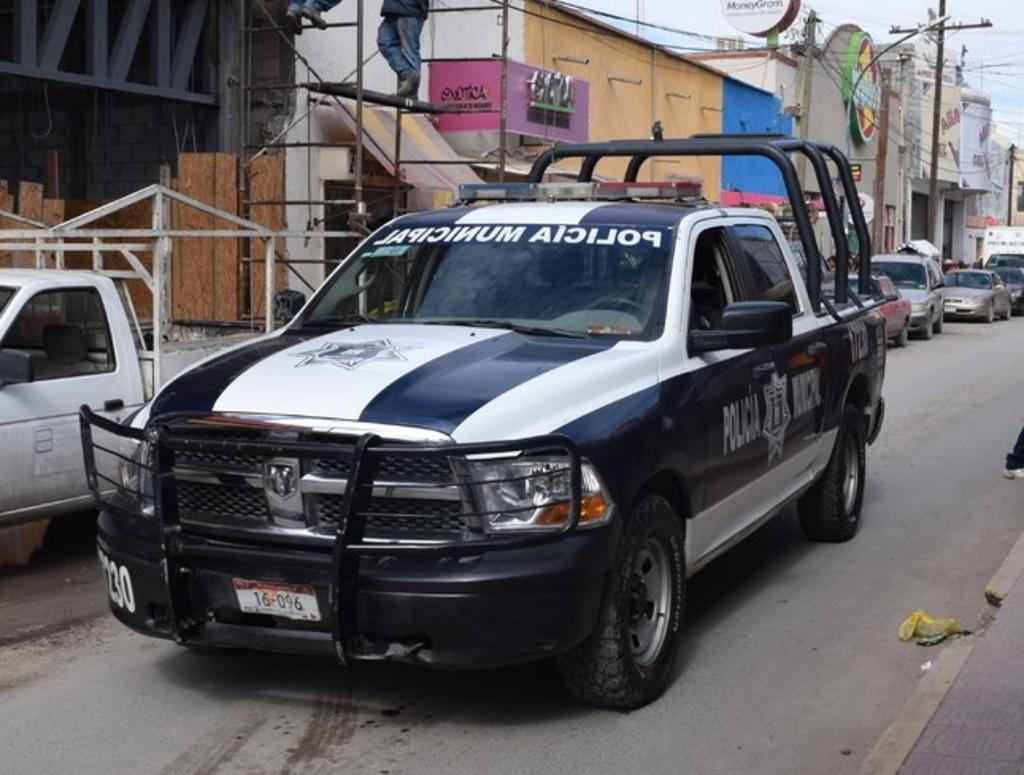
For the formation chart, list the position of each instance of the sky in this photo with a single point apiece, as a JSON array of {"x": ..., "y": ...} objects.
[{"x": 994, "y": 62}]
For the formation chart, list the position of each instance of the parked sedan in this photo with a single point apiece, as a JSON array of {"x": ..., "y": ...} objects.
[
  {"x": 976, "y": 294},
  {"x": 894, "y": 307},
  {"x": 920, "y": 281},
  {"x": 1014, "y": 279}
]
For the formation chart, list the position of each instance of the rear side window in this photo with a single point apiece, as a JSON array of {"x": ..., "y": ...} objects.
[
  {"x": 65, "y": 332},
  {"x": 6, "y": 294},
  {"x": 763, "y": 263}
]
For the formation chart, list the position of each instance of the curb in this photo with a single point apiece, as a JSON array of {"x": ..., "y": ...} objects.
[{"x": 899, "y": 738}]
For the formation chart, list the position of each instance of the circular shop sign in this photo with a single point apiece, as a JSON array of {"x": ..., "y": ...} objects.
[
  {"x": 761, "y": 17},
  {"x": 868, "y": 99}
]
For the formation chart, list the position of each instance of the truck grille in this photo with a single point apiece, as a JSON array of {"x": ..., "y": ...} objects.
[{"x": 415, "y": 498}]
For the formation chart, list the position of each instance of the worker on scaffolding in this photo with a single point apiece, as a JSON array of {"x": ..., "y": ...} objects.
[
  {"x": 310, "y": 9},
  {"x": 398, "y": 39}
]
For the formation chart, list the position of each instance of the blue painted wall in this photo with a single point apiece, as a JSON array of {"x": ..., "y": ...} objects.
[{"x": 748, "y": 110}]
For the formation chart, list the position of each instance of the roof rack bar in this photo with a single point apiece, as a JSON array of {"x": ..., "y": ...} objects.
[
  {"x": 860, "y": 225},
  {"x": 705, "y": 147},
  {"x": 832, "y": 209}
]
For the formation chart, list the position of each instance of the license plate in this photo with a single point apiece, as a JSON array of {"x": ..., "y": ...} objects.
[{"x": 267, "y": 597}]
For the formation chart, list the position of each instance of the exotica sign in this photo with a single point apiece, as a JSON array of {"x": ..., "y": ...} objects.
[
  {"x": 761, "y": 17},
  {"x": 861, "y": 71}
]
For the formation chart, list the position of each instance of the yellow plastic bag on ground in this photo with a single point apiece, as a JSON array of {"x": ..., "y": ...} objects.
[{"x": 928, "y": 630}]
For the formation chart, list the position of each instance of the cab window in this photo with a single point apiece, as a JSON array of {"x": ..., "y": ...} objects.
[
  {"x": 761, "y": 260},
  {"x": 65, "y": 332},
  {"x": 711, "y": 289}
]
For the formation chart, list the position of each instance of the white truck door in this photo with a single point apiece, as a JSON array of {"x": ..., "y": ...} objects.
[{"x": 67, "y": 334}]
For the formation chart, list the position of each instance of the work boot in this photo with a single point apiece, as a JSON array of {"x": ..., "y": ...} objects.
[
  {"x": 1014, "y": 473},
  {"x": 293, "y": 22},
  {"x": 311, "y": 13},
  {"x": 409, "y": 86}
]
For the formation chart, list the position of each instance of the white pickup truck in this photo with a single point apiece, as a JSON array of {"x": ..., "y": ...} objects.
[{"x": 66, "y": 339}]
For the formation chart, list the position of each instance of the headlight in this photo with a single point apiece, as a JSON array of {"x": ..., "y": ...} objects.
[
  {"x": 136, "y": 476},
  {"x": 535, "y": 494},
  {"x": 918, "y": 306}
]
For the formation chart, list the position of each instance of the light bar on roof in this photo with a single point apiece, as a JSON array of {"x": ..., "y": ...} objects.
[{"x": 675, "y": 190}]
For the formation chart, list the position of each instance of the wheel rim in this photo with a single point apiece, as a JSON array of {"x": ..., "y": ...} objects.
[
  {"x": 851, "y": 475},
  {"x": 650, "y": 601}
]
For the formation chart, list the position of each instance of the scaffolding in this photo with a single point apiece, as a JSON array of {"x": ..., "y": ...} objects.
[{"x": 354, "y": 91}]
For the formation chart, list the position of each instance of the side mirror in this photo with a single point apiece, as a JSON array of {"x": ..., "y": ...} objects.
[
  {"x": 747, "y": 324},
  {"x": 287, "y": 305},
  {"x": 15, "y": 368}
]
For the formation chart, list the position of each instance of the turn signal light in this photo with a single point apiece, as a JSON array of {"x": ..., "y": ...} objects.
[{"x": 592, "y": 509}]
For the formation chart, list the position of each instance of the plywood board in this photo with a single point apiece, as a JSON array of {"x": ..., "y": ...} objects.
[
  {"x": 6, "y": 203},
  {"x": 53, "y": 211},
  {"x": 192, "y": 280},
  {"x": 266, "y": 184},
  {"x": 227, "y": 251},
  {"x": 204, "y": 274},
  {"x": 136, "y": 216},
  {"x": 30, "y": 200}
]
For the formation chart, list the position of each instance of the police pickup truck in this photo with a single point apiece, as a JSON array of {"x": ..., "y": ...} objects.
[{"x": 503, "y": 432}]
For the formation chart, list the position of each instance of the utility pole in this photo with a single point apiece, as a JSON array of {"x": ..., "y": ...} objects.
[
  {"x": 881, "y": 161},
  {"x": 1009, "y": 198},
  {"x": 810, "y": 46},
  {"x": 933, "y": 183}
]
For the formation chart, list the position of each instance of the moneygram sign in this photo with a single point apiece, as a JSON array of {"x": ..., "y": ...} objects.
[
  {"x": 860, "y": 70},
  {"x": 761, "y": 17}
]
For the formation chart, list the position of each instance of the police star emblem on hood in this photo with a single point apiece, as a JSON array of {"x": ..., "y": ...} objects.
[{"x": 351, "y": 356}]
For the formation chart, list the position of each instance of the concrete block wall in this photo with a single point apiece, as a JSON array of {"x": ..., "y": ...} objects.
[{"x": 109, "y": 143}]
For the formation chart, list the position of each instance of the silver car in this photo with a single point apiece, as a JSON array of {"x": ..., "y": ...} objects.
[
  {"x": 977, "y": 294},
  {"x": 920, "y": 280}
]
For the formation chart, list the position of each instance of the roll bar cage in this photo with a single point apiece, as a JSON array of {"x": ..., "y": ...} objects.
[{"x": 777, "y": 149}]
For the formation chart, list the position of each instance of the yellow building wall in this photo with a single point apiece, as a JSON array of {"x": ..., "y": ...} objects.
[{"x": 686, "y": 98}]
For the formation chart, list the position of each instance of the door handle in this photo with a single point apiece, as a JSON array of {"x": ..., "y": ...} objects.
[
  {"x": 113, "y": 404},
  {"x": 817, "y": 349},
  {"x": 763, "y": 370}
]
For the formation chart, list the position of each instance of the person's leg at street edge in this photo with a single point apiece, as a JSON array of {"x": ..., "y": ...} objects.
[
  {"x": 409, "y": 29},
  {"x": 1015, "y": 460}
]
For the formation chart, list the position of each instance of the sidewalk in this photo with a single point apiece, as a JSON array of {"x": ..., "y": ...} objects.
[{"x": 979, "y": 727}]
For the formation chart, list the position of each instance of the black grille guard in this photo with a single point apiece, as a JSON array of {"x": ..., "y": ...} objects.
[{"x": 349, "y": 546}]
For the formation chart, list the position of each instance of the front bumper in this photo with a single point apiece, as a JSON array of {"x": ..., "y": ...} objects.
[
  {"x": 472, "y": 611},
  {"x": 965, "y": 313}
]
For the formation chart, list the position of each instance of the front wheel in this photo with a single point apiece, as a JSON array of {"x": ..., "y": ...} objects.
[
  {"x": 938, "y": 324},
  {"x": 830, "y": 511},
  {"x": 990, "y": 314},
  {"x": 627, "y": 660}
]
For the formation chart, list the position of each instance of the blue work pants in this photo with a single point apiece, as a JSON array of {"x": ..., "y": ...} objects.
[
  {"x": 398, "y": 39},
  {"x": 323, "y": 6}
]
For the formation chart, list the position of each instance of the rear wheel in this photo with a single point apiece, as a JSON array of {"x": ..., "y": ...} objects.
[
  {"x": 830, "y": 511},
  {"x": 901, "y": 338},
  {"x": 626, "y": 661}
]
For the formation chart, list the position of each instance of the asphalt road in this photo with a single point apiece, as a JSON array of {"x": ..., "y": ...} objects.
[{"x": 790, "y": 662}]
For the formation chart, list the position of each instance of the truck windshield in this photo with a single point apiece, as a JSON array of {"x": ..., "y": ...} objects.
[
  {"x": 6, "y": 294},
  {"x": 1012, "y": 277},
  {"x": 969, "y": 280},
  {"x": 557, "y": 280},
  {"x": 1006, "y": 259},
  {"x": 903, "y": 274}
]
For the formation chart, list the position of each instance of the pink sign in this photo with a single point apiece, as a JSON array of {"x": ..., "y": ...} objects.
[{"x": 541, "y": 103}]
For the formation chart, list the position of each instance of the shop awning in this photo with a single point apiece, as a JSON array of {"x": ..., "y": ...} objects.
[{"x": 441, "y": 168}]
